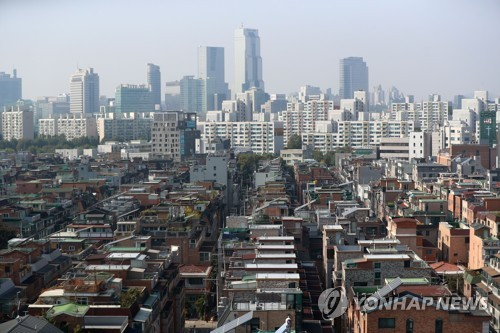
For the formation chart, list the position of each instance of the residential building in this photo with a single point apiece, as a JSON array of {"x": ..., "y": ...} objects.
[
  {"x": 76, "y": 125},
  {"x": 394, "y": 148},
  {"x": 154, "y": 82},
  {"x": 420, "y": 145},
  {"x": 84, "y": 91},
  {"x": 409, "y": 294},
  {"x": 17, "y": 123},
  {"x": 247, "y": 60},
  {"x": 302, "y": 118},
  {"x": 260, "y": 137},
  {"x": 353, "y": 76},
  {"x": 48, "y": 126},
  {"x": 173, "y": 134},
  {"x": 125, "y": 126}
]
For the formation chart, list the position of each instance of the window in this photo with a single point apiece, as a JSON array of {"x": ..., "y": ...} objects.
[
  {"x": 195, "y": 281},
  {"x": 7, "y": 269},
  {"x": 82, "y": 300},
  {"x": 377, "y": 275},
  {"x": 377, "y": 265},
  {"x": 409, "y": 325},
  {"x": 439, "y": 326},
  {"x": 386, "y": 323},
  {"x": 407, "y": 263},
  {"x": 71, "y": 248},
  {"x": 204, "y": 256},
  {"x": 192, "y": 243}
]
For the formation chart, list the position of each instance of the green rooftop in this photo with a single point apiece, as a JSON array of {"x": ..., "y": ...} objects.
[
  {"x": 365, "y": 289},
  {"x": 411, "y": 281},
  {"x": 71, "y": 309},
  {"x": 126, "y": 249}
]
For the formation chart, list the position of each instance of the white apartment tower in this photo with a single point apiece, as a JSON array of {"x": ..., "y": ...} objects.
[
  {"x": 84, "y": 91},
  {"x": 247, "y": 60},
  {"x": 17, "y": 124}
]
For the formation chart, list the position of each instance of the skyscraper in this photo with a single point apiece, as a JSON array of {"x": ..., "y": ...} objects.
[
  {"x": 154, "y": 82},
  {"x": 84, "y": 91},
  {"x": 10, "y": 89},
  {"x": 247, "y": 60},
  {"x": 211, "y": 70},
  {"x": 353, "y": 76},
  {"x": 192, "y": 94},
  {"x": 133, "y": 98}
]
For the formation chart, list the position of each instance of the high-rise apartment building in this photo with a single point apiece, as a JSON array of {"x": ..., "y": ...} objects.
[
  {"x": 154, "y": 82},
  {"x": 17, "y": 123},
  {"x": 353, "y": 76},
  {"x": 174, "y": 134},
  {"x": 10, "y": 88},
  {"x": 72, "y": 126},
  {"x": 211, "y": 70},
  {"x": 258, "y": 136},
  {"x": 247, "y": 60},
  {"x": 125, "y": 126},
  {"x": 302, "y": 118},
  {"x": 84, "y": 91},
  {"x": 133, "y": 98}
]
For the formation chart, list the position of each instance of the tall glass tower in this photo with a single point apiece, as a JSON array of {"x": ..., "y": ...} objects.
[
  {"x": 247, "y": 60},
  {"x": 154, "y": 82},
  {"x": 10, "y": 89},
  {"x": 353, "y": 76},
  {"x": 211, "y": 71}
]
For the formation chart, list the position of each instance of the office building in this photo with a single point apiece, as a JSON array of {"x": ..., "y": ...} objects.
[
  {"x": 133, "y": 98},
  {"x": 17, "y": 123},
  {"x": 10, "y": 88},
  {"x": 172, "y": 95},
  {"x": 174, "y": 134},
  {"x": 211, "y": 70},
  {"x": 247, "y": 60},
  {"x": 84, "y": 91},
  {"x": 192, "y": 95},
  {"x": 353, "y": 76},
  {"x": 154, "y": 82}
]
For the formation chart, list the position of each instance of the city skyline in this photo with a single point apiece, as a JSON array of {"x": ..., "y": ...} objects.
[{"x": 398, "y": 54}]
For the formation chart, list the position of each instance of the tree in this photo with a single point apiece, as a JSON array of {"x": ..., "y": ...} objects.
[
  {"x": 318, "y": 155},
  {"x": 127, "y": 298},
  {"x": 294, "y": 142},
  {"x": 201, "y": 306}
]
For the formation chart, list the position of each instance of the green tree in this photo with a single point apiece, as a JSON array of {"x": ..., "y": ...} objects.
[
  {"x": 127, "y": 298},
  {"x": 201, "y": 306},
  {"x": 294, "y": 142},
  {"x": 318, "y": 155}
]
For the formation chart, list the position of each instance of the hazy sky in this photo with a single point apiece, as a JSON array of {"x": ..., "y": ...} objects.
[{"x": 421, "y": 47}]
